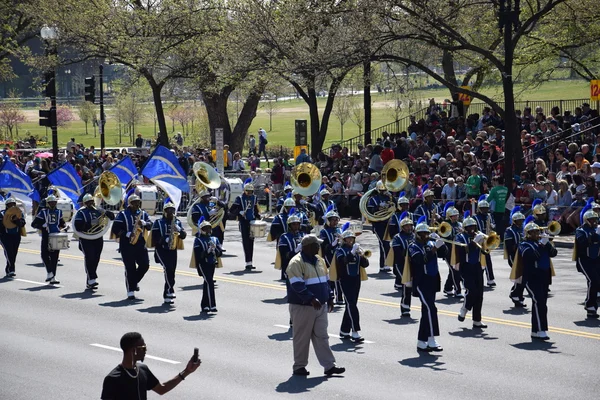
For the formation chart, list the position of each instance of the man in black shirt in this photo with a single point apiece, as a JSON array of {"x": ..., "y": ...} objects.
[{"x": 130, "y": 380}]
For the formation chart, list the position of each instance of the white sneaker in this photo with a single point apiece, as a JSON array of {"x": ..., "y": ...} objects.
[
  {"x": 49, "y": 276},
  {"x": 385, "y": 269},
  {"x": 356, "y": 337},
  {"x": 462, "y": 314},
  {"x": 433, "y": 344},
  {"x": 422, "y": 345},
  {"x": 543, "y": 335},
  {"x": 168, "y": 300}
]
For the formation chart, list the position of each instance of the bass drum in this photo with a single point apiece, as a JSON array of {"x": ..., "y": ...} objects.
[
  {"x": 65, "y": 205},
  {"x": 149, "y": 196}
]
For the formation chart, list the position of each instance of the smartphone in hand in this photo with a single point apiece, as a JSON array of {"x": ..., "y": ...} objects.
[{"x": 195, "y": 357}]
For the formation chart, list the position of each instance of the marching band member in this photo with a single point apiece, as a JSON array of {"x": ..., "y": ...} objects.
[
  {"x": 512, "y": 239},
  {"x": 485, "y": 224},
  {"x": 10, "y": 238},
  {"x": 129, "y": 227},
  {"x": 85, "y": 219},
  {"x": 469, "y": 258},
  {"x": 202, "y": 208},
  {"x": 400, "y": 244},
  {"x": 207, "y": 251},
  {"x": 394, "y": 225},
  {"x": 289, "y": 244},
  {"x": 539, "y": 213},
  {"x": 381, "y": 201},
  {"x": 287, "y": 190},
  {"x": 587, "y": 254},
  {"x": 350, "y": 264},
  {"x": 49, "y": 220},
  {"x": 428, "y": 208},
  {"x": 323, "y": 205},
  {"x": 166, "y": 234},
  {"x": 537, "y": 271},
  {"x": 303, "y": 208},
  {"x": 452, "y": 287},
  {"x": 426, "y": 281},
  {"x": 245, "y": 207},
  {"x": 279, "y": 225},
  {"x": 331, "y": 234}
]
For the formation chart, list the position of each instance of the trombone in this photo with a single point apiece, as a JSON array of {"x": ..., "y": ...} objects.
[
  {"x": 490, "y": 242},
  {"x": 444, "y": 230}
]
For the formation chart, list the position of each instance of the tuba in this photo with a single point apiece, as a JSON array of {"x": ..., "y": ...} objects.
[
  {"x": 206, "y": 177},
  {"x": 109, "y": 191},
  {"x": 305, "y": 179},
  {"x": 394, "y": 175}
]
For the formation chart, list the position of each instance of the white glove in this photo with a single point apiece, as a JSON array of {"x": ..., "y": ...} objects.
[
  {"x": 383, "y": 204},
  {"x": 434, "y": 236},
  {"x": 598, "y": 230},
  {"x": 355, "y": 248},
  {"x": 544, "y": 241},
  {"x": 298, "y": 248},
  {"x": 439, "y": 243},
  {"x": 128, "y": 234},
  {"x": 242, "y": 213},
  {"x": 334, "y": 243},
  {"x": 213, "y": 212},
  {"x": 45, "y": 226},
  {"x": 167, "y": 240},
  {"x": 303, "y": 202},
  {"x": 479, "y": 238},
  {"x": 213, "y": 199}
]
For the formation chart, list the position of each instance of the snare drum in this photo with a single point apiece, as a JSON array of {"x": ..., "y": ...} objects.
[
  {"x": 66, "y": 206},
  {"x": 58, "y": 241},
  {"x": 258, "y": 229},
  {"x": 356, "y": 227}
]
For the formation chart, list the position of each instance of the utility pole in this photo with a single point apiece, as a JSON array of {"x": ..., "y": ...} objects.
[{"x": 102, "y": 116}]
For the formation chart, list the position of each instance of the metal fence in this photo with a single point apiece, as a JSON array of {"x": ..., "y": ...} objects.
[{"x": 563, "y": 105}]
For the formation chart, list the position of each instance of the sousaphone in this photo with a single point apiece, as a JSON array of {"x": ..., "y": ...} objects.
[
  {"x": 394, "y": 176},
  {"x": 206, "y": 178}
]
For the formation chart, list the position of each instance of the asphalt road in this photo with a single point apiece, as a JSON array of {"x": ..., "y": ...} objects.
[{"x": 60, "y": 342}]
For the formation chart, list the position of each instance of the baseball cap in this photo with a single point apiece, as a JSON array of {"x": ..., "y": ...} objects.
[{"x": 310, "y": 239}]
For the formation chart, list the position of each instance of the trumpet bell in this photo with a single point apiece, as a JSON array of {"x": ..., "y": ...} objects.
[
  {"x": 491, "y": 242},
  {"x": 395, "y": 175},
  {"x": 444, "y": 229},
  {"x": 553, "y": 228},
  {"x": 206, "y": 176},
  {"x": 109, "y": 188},
  {"x": 305, "y": 179}
]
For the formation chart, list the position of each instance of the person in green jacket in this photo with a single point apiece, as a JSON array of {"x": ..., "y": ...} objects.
[
  {"x": 474, "y": 184},
  {"x": 498, "y": 195}
]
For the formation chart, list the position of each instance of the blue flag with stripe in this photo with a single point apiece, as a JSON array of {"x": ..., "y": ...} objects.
[
  {"x": 12, "y": 179},
  {"x": 125, "y": 170},
  {"x": 66, "y": 179},
  {"x": 162, "y": 168}
]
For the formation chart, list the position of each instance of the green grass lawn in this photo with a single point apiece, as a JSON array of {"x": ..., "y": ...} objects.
[{"x": 283, "y": 121}]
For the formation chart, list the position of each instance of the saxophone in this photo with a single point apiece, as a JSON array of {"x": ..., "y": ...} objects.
[
  {"x": 137, "y": 230},
  {"x": 174, "y": 236}
]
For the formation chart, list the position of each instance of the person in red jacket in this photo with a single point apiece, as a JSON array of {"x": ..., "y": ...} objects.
[{"x": 387, "y": 154}]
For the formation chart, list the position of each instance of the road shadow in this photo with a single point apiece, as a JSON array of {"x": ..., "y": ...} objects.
[
  {"x": 243, "y": 272},
  {"x": 161, "y": 309},
  {"x": 199, "y": 317},
  {"x": 381, "y": 275},
  {"x": 449, "y": 300},
  {"x": 191, "y": 287},
  {"x": 472, "y": 333},
  {"x": 588, "y": 323},
  {"x": 516, "y": 311},
  {"x": 41, "y": 288},
  {"x": 5, "y": 279},
  {"x": 86, "y": 294},
  {"x": 348, "y": 346},
  {"x": 396, "y": 294},
  {"x": 121, "y": 303},
  {"x": 282, "y": 336},
  {"x": 402, "y": 321},
  {"x": 37, "y": 265},
  {"x": 225, "y": 255},
  {"x": 299, "y": 384},
  {"x": 537, "y": 345},
  {"x": 280, "y": 300},
  {"x": 424, "y": 360}
]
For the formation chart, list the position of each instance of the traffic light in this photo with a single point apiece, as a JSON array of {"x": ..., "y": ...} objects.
[
  {"x": 47, "y": 118},
  {"x": 90, "y": 89},
  {"x": 49, "y": 87}
]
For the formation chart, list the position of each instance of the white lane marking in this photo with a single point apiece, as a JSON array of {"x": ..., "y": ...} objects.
[
  {"x": 102, "y": 346},
  {"x": 35, "y": 283},
  {"x": 330, "y": 334}
]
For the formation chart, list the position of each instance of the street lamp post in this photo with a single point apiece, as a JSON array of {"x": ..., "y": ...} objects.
[{"x": 49, "y": 35}]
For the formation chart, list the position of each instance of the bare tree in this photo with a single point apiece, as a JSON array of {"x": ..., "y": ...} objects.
[{"x": 341, "y": 110}]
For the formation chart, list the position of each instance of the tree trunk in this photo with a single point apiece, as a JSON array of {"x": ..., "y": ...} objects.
[
  {"x": 216, "y": 110},
  {"x": 246, "y": 117},
  {"x": 86, "y": 130},
  {"x": 449, "y": 72},
  {"x": 315, "y": 124},
  {"x": 163, "y": 138}
]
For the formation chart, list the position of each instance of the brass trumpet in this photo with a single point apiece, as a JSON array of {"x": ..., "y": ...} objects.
[
  {"x": 364, "y": 253},
  {"x": 553, "y": 228},
  {"x": 444, "y": 229}
]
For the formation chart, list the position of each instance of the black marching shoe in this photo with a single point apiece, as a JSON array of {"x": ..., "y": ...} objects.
[
  {"x": 335, "y": 370},
  {"x": 479, "y": 325},
  {"x": 12, "y": 274},
  {"x": 249, "y": 268},
  {"x": 592, "y": 314},
  {"x": 301, "y": 372}
]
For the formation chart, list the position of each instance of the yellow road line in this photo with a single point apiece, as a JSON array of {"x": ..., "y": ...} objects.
[{"x": 500, "y": 321}]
